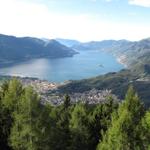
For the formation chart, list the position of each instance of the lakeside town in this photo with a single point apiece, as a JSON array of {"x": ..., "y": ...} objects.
[
  {"x": 89, "y": 97},
  {"x": 49, "y": 92},
  {"x": 41, "y": 86}
]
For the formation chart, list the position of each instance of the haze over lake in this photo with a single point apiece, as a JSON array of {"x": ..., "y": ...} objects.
[{"x": 86, "y": 64}]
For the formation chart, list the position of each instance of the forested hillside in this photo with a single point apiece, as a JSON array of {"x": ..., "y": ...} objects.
[
  {"x": 26, "y": 124},
  {"x": 13, "y": 49},
  {"x": 117, "y": 82},
  {"x": 128, "y": 52},
  {"x": 134, "y": 55}
]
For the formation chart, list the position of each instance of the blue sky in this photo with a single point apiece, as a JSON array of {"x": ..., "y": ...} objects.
[{"x": 84, "y": 20}]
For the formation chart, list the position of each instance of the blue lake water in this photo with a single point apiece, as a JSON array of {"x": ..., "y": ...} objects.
[{"x": 86, "y": 64}]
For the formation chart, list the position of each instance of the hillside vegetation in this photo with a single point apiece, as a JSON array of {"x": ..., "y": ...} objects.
[
  {"x": 13, "y": 49},
  {"x": 135, "y": 55},
  {"x": 26, "y": 124}
]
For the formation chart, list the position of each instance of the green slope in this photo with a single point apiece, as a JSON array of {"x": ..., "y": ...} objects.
[{"x": 138, "y": 72}]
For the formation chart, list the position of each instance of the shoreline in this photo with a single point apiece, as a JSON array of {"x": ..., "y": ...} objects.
[
  {"x": 122, "y": 60},
  {"x": 119, "y": 58},
  {"x": 41, "y": 86}
]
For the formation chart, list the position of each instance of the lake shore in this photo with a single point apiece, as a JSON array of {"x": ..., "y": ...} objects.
[
  {"x": 87, "y": 64},
  {"x": 122, "y": 60}
]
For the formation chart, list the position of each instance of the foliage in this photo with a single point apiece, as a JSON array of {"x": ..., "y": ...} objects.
[
  {"x": 118, "y": 83},
  {"x": 27, "y": 124},
  {"x": 124, "y": 133}
]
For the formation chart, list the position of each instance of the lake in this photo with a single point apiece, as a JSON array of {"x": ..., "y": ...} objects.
[{"x": 86, "y": 64}]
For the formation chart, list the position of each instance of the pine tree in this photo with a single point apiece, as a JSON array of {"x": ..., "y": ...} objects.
[
  {"x": 67, "y": 102},
  {"x": 10, "y": 94},
  {"x": 45, "y": 128},
  {"x": 145, "y": 136},
  {"x": 79, "y": 128},
  {"x": 100, "y": 120},
  {"x": 124, "y": 131},
  {"x": 5, "y": 119},
  {"x": 60, "y": 131},
  {"x": 23, "y": 133}
]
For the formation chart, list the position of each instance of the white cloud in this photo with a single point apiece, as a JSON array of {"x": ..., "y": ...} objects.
[
  {"x": 23, "y": 18},
  {"x": 144, "y": 3}
]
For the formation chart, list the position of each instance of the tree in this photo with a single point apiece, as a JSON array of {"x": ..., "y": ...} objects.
[
  {"x": 10, "y": 94},
  {"x": 67, "y": 102},
  {"x": 46, "y": 127},
  {"x": 79, "y": 127},
  {"x": 24, "y": 130},
  {"x": 145, "y": 136},
  {"x": 60, "y": 131},
  {"x": 5, "y": 119},
  {"x": 100, "y": 120},
  {"x": 124, "y": 131}
]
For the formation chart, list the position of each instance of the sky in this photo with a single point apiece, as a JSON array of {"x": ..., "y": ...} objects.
[{"x": 83, "y": 20}]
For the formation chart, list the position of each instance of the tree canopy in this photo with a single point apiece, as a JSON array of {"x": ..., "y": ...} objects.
[{"x": 28, "y": 124}]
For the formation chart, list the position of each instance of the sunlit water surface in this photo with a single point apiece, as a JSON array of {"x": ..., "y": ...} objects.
[{"x": 83, "y": 65}]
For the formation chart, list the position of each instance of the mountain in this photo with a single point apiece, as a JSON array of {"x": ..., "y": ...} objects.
[
  {"x": 127, "y": 52},
  {"x": 137, "y": 53},
  {"x": 94, "y": 45},
  {"x": 13, "y": 49},
  {"x": 99, "y": 45},
  {"x": 136, "y": 57},
  {"x": 67, "y": 42},
  {"x": 117, "y": 82}
]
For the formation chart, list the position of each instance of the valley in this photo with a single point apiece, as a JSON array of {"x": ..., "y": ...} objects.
[{"x": 76, "y": 74}]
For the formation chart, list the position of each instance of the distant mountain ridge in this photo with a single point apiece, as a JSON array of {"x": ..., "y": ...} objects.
[
  {"x": 94, "y": 45},
  {"x": 132, "y": 54},
  {"x": 68, "y": 42},
  {"x": 126, "y": 51},
  {"x": 14, "y": 49}
]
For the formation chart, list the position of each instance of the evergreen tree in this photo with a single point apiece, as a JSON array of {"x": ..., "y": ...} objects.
[
  {"x": 145, "y": 136},
  {"x": 100, "y": 120},
  {"x": 67, "y": 102},
  {"x": 60, "y": 132},
  {"x": 79, "y": 128},
  {"x": 26, "y": 124},
  {"x": 46, "y": 129},
  {"x": 124, "y": 132},
  {"x": 10, "y": 94},
  {"x": 24, "y": 130},
  {"x": 5, "y": 119}
]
